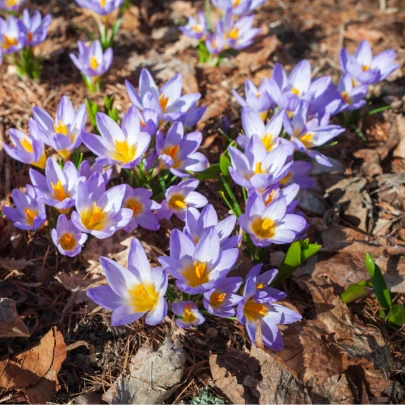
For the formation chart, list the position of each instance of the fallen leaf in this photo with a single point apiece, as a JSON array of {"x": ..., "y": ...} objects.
[
  {"x": 34, "y": 372},
  {"x": 13, "y": 264},
  {"x": 153, "y": 376},
  {"x": 11, "y": 324},
  {"x": 358, "y": 34}
]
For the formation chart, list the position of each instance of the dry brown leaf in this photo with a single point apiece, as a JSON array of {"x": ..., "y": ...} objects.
[
  {"x": 34, "y": 372},
  {"x": 11, "y": 324},
  {"x": 13, "y": 264},
  {"x": 358, "y": 34}
]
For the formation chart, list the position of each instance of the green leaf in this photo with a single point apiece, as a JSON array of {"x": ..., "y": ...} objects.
[
  {"x": 397, "y": 315},
  {"x": 290, "y": 263},
  {"x": 108, "y": 102},
  {"x": 92, "y": 110},
  {"x": 224, "y": 164},
  {"x": 370, "y": 265},
  {"x": 357, "y": 291},
  {"x": 308, "y": 249},
  {"x": 210, "y": 173},
  {"x": 380, "y": 109}
]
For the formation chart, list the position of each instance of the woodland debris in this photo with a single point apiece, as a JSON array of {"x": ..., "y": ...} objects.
[{"x": 11, "y": 325}]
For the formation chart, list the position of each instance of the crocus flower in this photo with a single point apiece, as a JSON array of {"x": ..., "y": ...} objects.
[
  {"x": 10, "y": 35},
  {"x": 149, "y": 120},
  {"x": 270, "y": 224},
  {"x": 188, "y": 313},
  {"x": 196, "y": 27},
  {"x": 193, "y": 115},
  {"x": 178, "y": 151},
  {"x": 274, "y": 192},
  {"x": 236, "y": 7},
  {"x": 197, "y": 268},
  {"x": 99, "y": 212},
  {"x": 264, "y": 280},
  {"x": 197, "y": 224},
  {"x": 306, "y": 134},
  {"x": 28, "y": 149},
  {"x": 352, "y": 97},
  {"x": 257, "y": 168},
  {"x": 179, "y": 198},
  {"x": 259, "y": 306},
  {"x": 366, "y": 69},
  {"x": 101, "y": 7},
  {"x": 215, "y": 41},
  {"x": 139, "y": 201},
  {"x": 298, "y": 174},
  {"x": 29, "y": 212},
  {"x": 166, "y": 101},
  {"x": 11, "y": 5},
  {"x": 64, "y": 133},
  {"x": 258, "y": 99},
  {"x": 67, "y": 238},
  {"x": 92, "y": 61},
  {"x": 221, "y": 299},
  {"x": 125, "y": 145},
  {"x": 58, "y": 187},
  {"x": 86, "y": 171},
  {"x": 34, "y": 29},
  {"x": 237, "y": 34},
  {"x": 253, "y": 125},
  {"x": 133, "y": 292}
]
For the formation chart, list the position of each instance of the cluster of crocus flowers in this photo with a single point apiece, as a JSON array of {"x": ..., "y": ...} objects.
[
  {"x": 11, "y": 5},
  {"x": 234, "y": 31}
]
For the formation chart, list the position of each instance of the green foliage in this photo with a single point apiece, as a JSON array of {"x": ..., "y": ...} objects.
[
  {"x": 109, "y": 108},
  {"x": 357, "y": 291},
  {"x": 206, "y": 397},
  {"x": 27, "y": 64},
  {"x": 92, "y": 110},
  {"x": 224, "y": 163},
  {"x": 298, "y": 253},
  {"x": 210, "y": 173}
]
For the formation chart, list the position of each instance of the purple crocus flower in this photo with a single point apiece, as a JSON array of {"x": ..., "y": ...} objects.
[
  {"x": 366, "y": 69},
  {"x": 28, "y": 149},
  {"x": 86, "y": 171},
  {"x": 101, "y": 7},
  {"x": 215, "y": 42},
  {"x": 188, "y": 313},
  {"x": 179, "y": 198},
  {"x": 257, "y": 168},
  {"x": 274, "y": 192},
  {"x": 133, "y": 292},
  {"x": 258, "y": 306},
  {"x": 197, "y": 268},
  {"x": 143, "y": 207},
  {"x": 125, "y": 145},
  {"x": 237, "y": 34},
  {"x": 29, "y": 212},
  {"x": 197, "y": 224},
  {"x": 11, "y": 5},
  {"x": 306, "y": 134},
  {"x": 99, "y": 212},
  {"x": 257, "y": 99},
  {"x": 11, "y": 40},
  {"x": 269, "y": 134},
  {"x": 178, "y": 151},
  {"x": 298, "y": 174},
  {"x": 92, "y": 61},
  {"x": 149, "y": 120},
  {"x": 221, "y": 299},
  {"x": 67, "y": 238},
  {"x": 238, "y": 7},
  {"x": 166, "y": 101},
  {"x": 64, "y": 133},
  {"x": 196, "y": 27},
  {"x": 34, "y": 29},
  {"x": 270, "y": 224},
  {"x": 58, "y": 187},
  {"x": 193, "y": 115},
  {"x": 352, "y": 97},
  {"x": 264, "y": 280}
]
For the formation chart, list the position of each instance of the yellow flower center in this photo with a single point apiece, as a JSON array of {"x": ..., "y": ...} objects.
[
  {"x": 259, "y": 169},
  {"x": 286, "y": 179},
  {"x": 94, "y": 218},
  {"x": 263, "y": 115},
  {"x": 188, "y": 316},
  {"x": 67, "y": 241},
  {"x": 31, "y": 215},
  {"x": 259, "y": 286},
  {"x": 267, "y": 141},
  {"x": 236, "y": 3},
  {"x": 365, "y": 68},
  {"x": 41, "y": 162},
  {"x": 346, "y": 97},
  {"x": 176, "y": 202},
  {"x": 27, "y": 144},
  {"x": 30, "y": 36},
  {"x": 234, "y": 33},
  {"x": 172, "y": 152},
  {"x": 254, "y": 311},
  {"x": 11, "y": 3},
  {"x": 59, "y": 191},
  {"x": 163, "y": 102},
  {"x": 9, "y": 42},
  {"x": 263, "y": 227},
  {"x": 144, "y": 297},
  {"x": 295, "y": 91},
  {"x": 196, "y": 274},
  {"x": 93, "y": 61},
  {"x": 102, "y": 3},
  {"x": 196, "y": 28},
  {"x": 307, "y": 140},
  {"x": 124, "y": 152},
  {"x": 271, "y": 197},
  {"x": 134, "y": 205},
  {"x": 217, "y": 298},
  {"x": 60, "y": 128}
]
